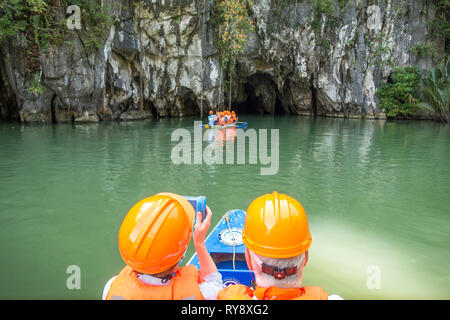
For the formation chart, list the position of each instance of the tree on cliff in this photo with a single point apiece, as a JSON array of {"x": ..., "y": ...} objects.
[{"x": 233, "y": 21}]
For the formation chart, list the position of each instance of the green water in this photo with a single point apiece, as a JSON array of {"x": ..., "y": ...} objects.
[{"x": 376, "y": 194}]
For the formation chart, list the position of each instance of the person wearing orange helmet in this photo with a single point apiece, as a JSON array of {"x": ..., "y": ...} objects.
[
  {"x": 217, "y": 117},
  {"x": 233, "y": 115},
  {"x": 153, "y": 239},
  {"x": 222, "y": 119},
  {"x": 277, "y": 239},
  {"x": 211, "y": 118},
  {"x": 229, "y": 118}
]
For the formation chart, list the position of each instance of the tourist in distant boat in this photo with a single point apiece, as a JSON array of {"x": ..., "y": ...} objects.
[
  {"x": 230, "y": 119},
  {"x": 153, "y": 239},
  {"x": 216, "y": 118},
  {"x": 226, "y": 117},
  {"x": 211, "y": 118},
  {"x": 233, "y": 115},
  {"x": 222, "y": 120},
  {"x": 277, "y": 239}
]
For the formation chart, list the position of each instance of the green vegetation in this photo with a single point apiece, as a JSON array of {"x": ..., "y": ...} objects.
[
  {"x": 422, "y": 50},
  {"x": 33, "y": 18},
  {"x": 12, "y": 17},
  {"x": 379, "y": 51},
  {"x": 407, "y": 93},
  {"x": 398, "y": 97},
  {"x": 43, "y": 23},
  {"x": 36, "y": 86},
  {"x": 98, "y": 21},
  {"x": 435, "y": 92},
  {"x": 233, "y": 23},
  {"x": 441, "y": 25},
  {"x": 279, "y": 14},
  {"x": 321, "y": 7}
]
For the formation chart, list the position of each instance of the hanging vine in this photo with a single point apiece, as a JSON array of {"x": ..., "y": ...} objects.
[{"x": 233, "y": 24}]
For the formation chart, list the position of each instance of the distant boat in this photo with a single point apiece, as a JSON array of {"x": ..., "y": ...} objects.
[
  {"x": 233, "y": 125},
  {"x": 227, "y": 250}
]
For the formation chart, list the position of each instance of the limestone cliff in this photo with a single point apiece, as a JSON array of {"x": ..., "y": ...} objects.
[{"x": 297, "y": 61}]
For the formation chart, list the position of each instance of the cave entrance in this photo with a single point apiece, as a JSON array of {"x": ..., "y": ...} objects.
[
  {"x": 150, "y": 107},
  {"x": 9, "y": 110},
  {"x": 188, "y": 101},
  {"x": 262, "y": 96}
]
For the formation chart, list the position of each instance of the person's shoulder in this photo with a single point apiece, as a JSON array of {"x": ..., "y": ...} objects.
[
  {"x": 214, "y": 276},
  {"x": 107, "y": 287},
  {"x": 189, "y": 270},
  {"x": 335, "y": 297}
]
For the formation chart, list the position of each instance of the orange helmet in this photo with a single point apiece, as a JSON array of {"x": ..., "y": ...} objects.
[
  {"x": 276, "y": 227},
  {"x": 156, "y": 233}
]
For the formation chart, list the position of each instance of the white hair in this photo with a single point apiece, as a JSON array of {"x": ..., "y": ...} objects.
[{"x": 265, "y": 280}]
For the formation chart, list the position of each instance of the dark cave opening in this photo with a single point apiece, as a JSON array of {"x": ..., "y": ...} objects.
[
  {"x": 250, "y": 105},
  {"x": 188, "y": 101},
  {"x": 262, "y": 97},
  {"x": 280, "y": 109},
  {"x": 9, "y": 110},
  {"x": 150, "y": 107},
  {"x": 53, "y": 109}
]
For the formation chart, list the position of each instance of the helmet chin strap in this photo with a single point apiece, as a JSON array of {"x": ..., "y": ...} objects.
[
  {"x": 167, "y": 278},
  {"x": 277, "y": 273},
  {"x": 170, "y": 276}
]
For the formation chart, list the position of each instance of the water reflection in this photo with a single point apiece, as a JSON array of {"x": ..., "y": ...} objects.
[{"x": 220, "y": 136}]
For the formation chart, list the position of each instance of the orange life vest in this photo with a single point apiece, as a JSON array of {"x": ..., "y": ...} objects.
[
  {"x": 241, "y": 292},
  {"x": 183, "y": 286}
]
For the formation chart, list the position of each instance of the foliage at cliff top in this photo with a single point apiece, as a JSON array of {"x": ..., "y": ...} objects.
[
  {"x": 442, "y": 24},
  {"x": 42, "y": 26},
  {"x": 13, "y": 15},
  {"x": 234, "y": 24}
]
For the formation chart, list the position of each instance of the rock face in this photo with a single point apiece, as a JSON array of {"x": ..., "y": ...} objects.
[{"x": 159, "y": 58}]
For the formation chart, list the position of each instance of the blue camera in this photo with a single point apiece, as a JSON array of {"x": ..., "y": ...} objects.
[{"x": 198, "y": 203}]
